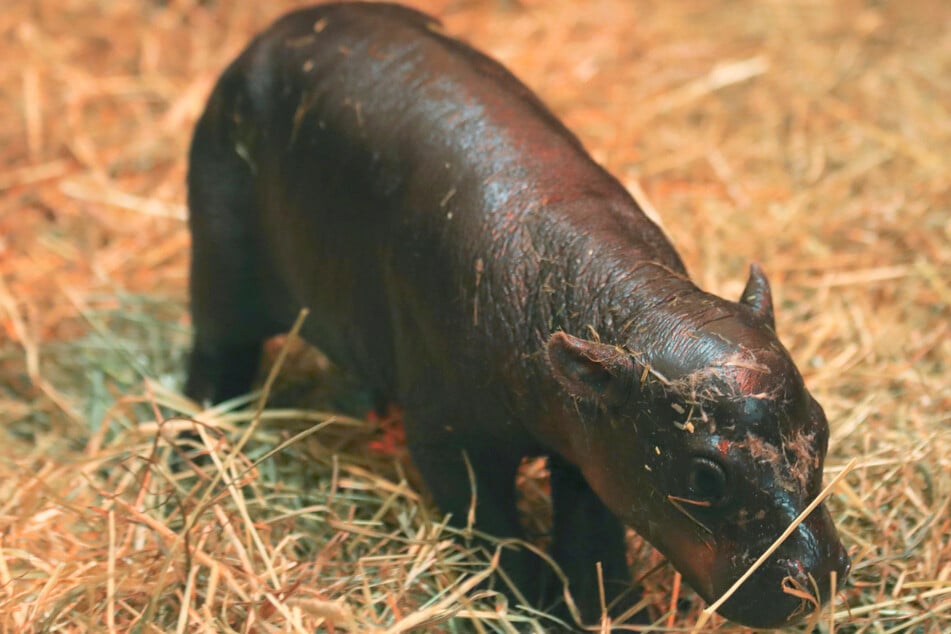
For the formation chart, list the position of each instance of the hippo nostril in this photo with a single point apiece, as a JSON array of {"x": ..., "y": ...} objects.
[{"x": 796, "y": 568}]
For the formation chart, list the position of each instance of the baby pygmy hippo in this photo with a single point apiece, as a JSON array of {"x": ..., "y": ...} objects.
[{"x": 462, "y": 254}]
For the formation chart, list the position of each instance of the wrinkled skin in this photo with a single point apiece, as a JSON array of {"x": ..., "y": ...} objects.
[{"x": 464, "y": 256}]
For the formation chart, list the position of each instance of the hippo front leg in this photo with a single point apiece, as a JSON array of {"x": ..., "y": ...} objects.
[
  {"x": 492, "y": 481},
  {"x": 586, "y": 533}
]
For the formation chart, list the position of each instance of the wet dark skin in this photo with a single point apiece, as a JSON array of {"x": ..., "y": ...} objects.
[{"x": 462, "y": 254}]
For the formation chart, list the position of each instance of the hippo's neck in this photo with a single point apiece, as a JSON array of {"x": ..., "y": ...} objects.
[
  {"x": 637, "y": 295},
  {"x": 622, "y": 281}
]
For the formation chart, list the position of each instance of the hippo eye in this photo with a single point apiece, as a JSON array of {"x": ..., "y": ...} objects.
[{"x": 707, "y": 482}]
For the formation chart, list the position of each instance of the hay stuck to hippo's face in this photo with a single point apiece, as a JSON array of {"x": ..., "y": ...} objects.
[{"x": 725, "y": 448}]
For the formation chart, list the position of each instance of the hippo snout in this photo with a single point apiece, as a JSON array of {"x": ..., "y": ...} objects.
[{"x": 768, "y": 599}]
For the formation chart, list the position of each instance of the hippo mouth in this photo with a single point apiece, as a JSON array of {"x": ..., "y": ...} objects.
[
  {"x": 794, "y": 582},
  {"x": 783, "y": 591}
]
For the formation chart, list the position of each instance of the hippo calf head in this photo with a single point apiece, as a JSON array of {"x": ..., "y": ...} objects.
[{"x": 707, "y": 442}]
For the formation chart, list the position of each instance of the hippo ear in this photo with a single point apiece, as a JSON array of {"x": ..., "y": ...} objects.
[
  {"x": 591, "y": 370},
  {"x": 757, "y": 295}
]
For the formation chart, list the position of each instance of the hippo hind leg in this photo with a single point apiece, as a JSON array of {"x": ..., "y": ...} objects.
[{"x": 228, "y": 303}]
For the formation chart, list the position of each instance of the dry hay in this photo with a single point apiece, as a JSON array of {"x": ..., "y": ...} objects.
[{"x": 812, "y": 137}]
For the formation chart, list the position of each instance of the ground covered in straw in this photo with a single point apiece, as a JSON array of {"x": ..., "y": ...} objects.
[{"x": 811, "y": 137}]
